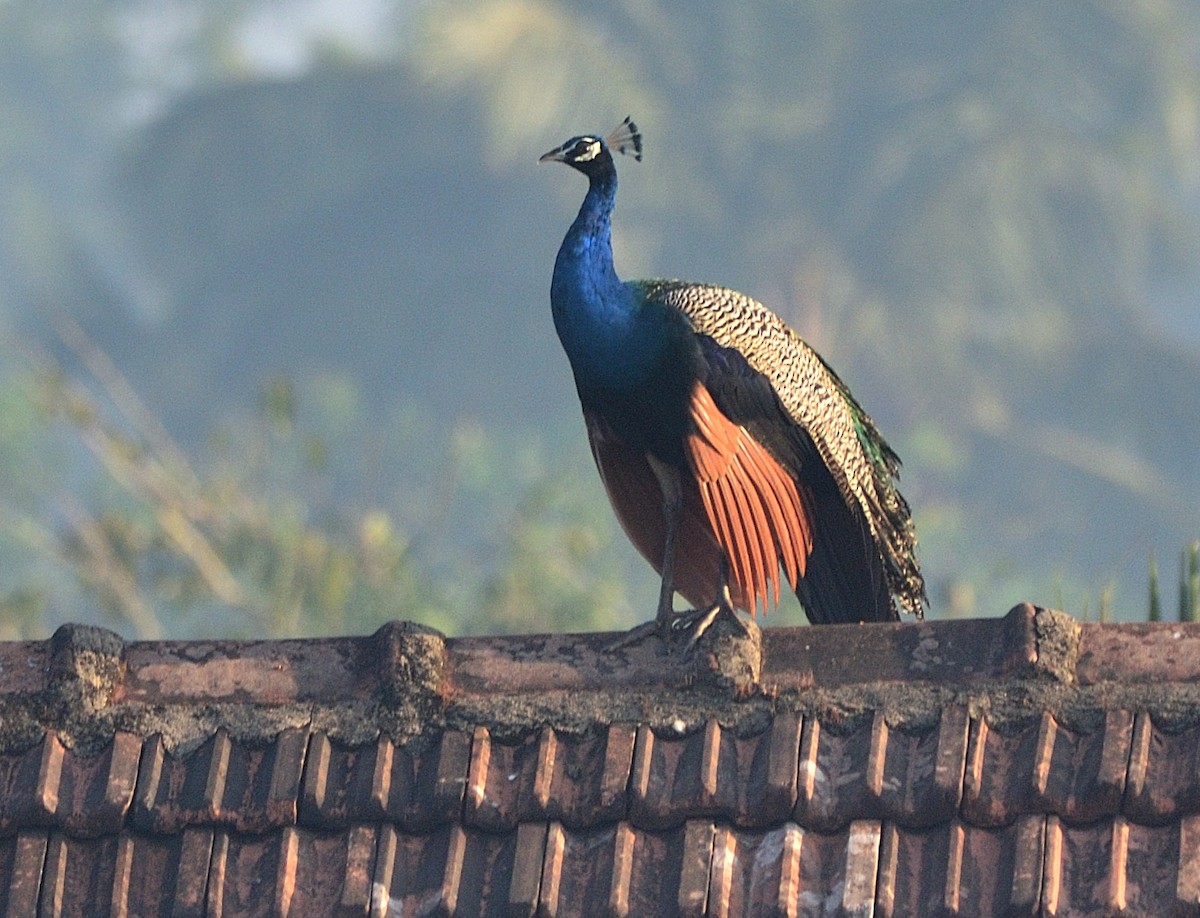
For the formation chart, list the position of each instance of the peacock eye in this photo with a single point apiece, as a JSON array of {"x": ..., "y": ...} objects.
[{"x": 585, "y": 150}]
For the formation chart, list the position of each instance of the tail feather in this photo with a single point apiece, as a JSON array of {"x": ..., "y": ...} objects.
[{"x": 845, "y": 580}]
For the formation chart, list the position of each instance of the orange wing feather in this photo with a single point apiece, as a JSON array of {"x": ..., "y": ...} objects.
[
  {"x": 738, "y": 502},
  {"x": 753, "y": 505}
]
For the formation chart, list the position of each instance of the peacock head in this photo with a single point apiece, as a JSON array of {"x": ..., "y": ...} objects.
[{"x": 592, "y": 155}]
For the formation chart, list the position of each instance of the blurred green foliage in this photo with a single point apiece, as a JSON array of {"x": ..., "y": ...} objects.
[
  {"x": 1189, "y": 586},
  {"x": 250, "y": 540}
]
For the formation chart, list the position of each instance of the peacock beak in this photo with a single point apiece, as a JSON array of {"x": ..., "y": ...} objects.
[{"x": 557, "y": 155}]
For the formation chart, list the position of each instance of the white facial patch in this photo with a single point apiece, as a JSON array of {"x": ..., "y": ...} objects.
[{"x": 590, "y": 153}]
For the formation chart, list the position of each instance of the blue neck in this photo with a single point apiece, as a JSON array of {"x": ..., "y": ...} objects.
[{"x": 599, "y": 319}]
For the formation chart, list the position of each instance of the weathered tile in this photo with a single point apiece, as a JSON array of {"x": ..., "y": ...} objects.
[
  {"x": 679, "y": 778},
  {"x": 1164, "y": 773},
  {"x": 450, "y": 871},
  {"x": 85, "y": 876},
  {"x": 811, "y": 814},
  {"x": 624, "y": 870},
  {"x": 958, "y": 869},
  {"x": 1048, "y": 769},
  {"x": 417, "y": 785},
  {"x": 22, "y": 862},
  {"x": 30, "y": 783},
  {"x": 177, "y": 791},
  {"x": 833, "y": 775},
  {"x": 580, "y": 781},
  {"x": 917, "y": 777},
  {"x": 97, "y": 791}
]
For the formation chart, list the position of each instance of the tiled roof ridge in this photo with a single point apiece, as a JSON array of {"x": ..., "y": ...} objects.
[
  {"x": 406, "y": 681},
  {"x": 1024, "y": 765}
]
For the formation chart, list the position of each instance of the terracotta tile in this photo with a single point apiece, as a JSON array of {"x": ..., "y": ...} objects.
[
  {"x": 1164, "y": 773},
  {"x": 579, "y": 781},
  {"x": 150, "y": 811},
  {"x": 1139, "y": 652},
  {"x": 1081, "y": 776},
  {"x": 623, "y": 870},
  {"x": 191, "y": 870},
  {"x": 649, "y": 871},
  {"x": 78, "y": 876},
  {"x": 919, "y": 781},
  {"x": 151, "y": 865},
  {"x": 270, "y": 672},
  {"x": 96, "y": 792},
  {"x": 417, "y": 786},
  {"x": 334, "y": 779},
  {"x": 528, "y": 860},
  {"x": 22, "y": 861},
  {"x": 1187, "y": 880},
  {"x": 449, "y": 871},
  {"x": 787, "y": 870},
  {"x": 861, "y": 868},
  {"x": 316, "y": 866},
  {"x": 577, "y": 878},
  {"x": 255, "y": 788},
  {"x": 797, "y": 814},
  {"x": 252, "y": 788},
  {"x": 969, "y": 651},
  {"x": 25, "y": 665},
  {"x": 676, "y": 778},
  {"x": 833, "y": 775},
  {"x": 548, "y": 776},
  {"x": 1046, "y": 768},
  {"x": 1150, "y": 871},
  {"x": 120, "y": 894},
  {"x": 52, "y": 898},
  {"x": 30, "y": 784},
  {"x": 355, "y": 898},
  {"x": 766, "y": 782},
  {"x": 500, "y": 775},
  {"x": 958, "y": 869},
  {"x": 696, "y": 852},
  {"x": 244, "y": 879},
  {"x": 439, "y": 782},
  {"x": 177, "y": 791}
]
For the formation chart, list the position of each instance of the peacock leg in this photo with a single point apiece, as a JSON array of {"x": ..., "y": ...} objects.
[
  {"x": 672, "y": 507},
  {"x": 666, "y": 619},
  {"x": 697, "y": 622},
  {"x": 669, "y": 624}
]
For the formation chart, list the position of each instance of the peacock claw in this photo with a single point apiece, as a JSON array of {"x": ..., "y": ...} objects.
[
  {"x": 691, "y": 624},
  {"x": 635, "y": 635},
  {"x": 697, "y": 622}
]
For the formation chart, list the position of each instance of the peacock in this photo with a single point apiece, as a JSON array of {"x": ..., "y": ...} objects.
[{"x": 729, "y": 449}]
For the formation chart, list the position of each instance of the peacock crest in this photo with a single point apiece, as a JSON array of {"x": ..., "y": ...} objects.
[{"x": 626, "y": 139}]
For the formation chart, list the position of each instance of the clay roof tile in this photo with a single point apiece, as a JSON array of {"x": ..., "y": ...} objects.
[{"x": 1025, "y": 765}]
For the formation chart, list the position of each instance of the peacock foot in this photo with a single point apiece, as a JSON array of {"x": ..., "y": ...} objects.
[
  {"x": 681, "y": 629},
  {"x": 637, "y": 635},
  {"x": 695, "y": 623}
]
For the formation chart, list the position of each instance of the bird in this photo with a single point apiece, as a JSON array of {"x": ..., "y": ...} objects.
[{"x": 734, "y": 457}]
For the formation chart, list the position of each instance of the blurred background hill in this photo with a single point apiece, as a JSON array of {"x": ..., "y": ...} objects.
[{"x": 277, "y": 352}]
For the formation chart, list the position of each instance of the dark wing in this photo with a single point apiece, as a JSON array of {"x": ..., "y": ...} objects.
[{"x": 763, "y": 377}]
